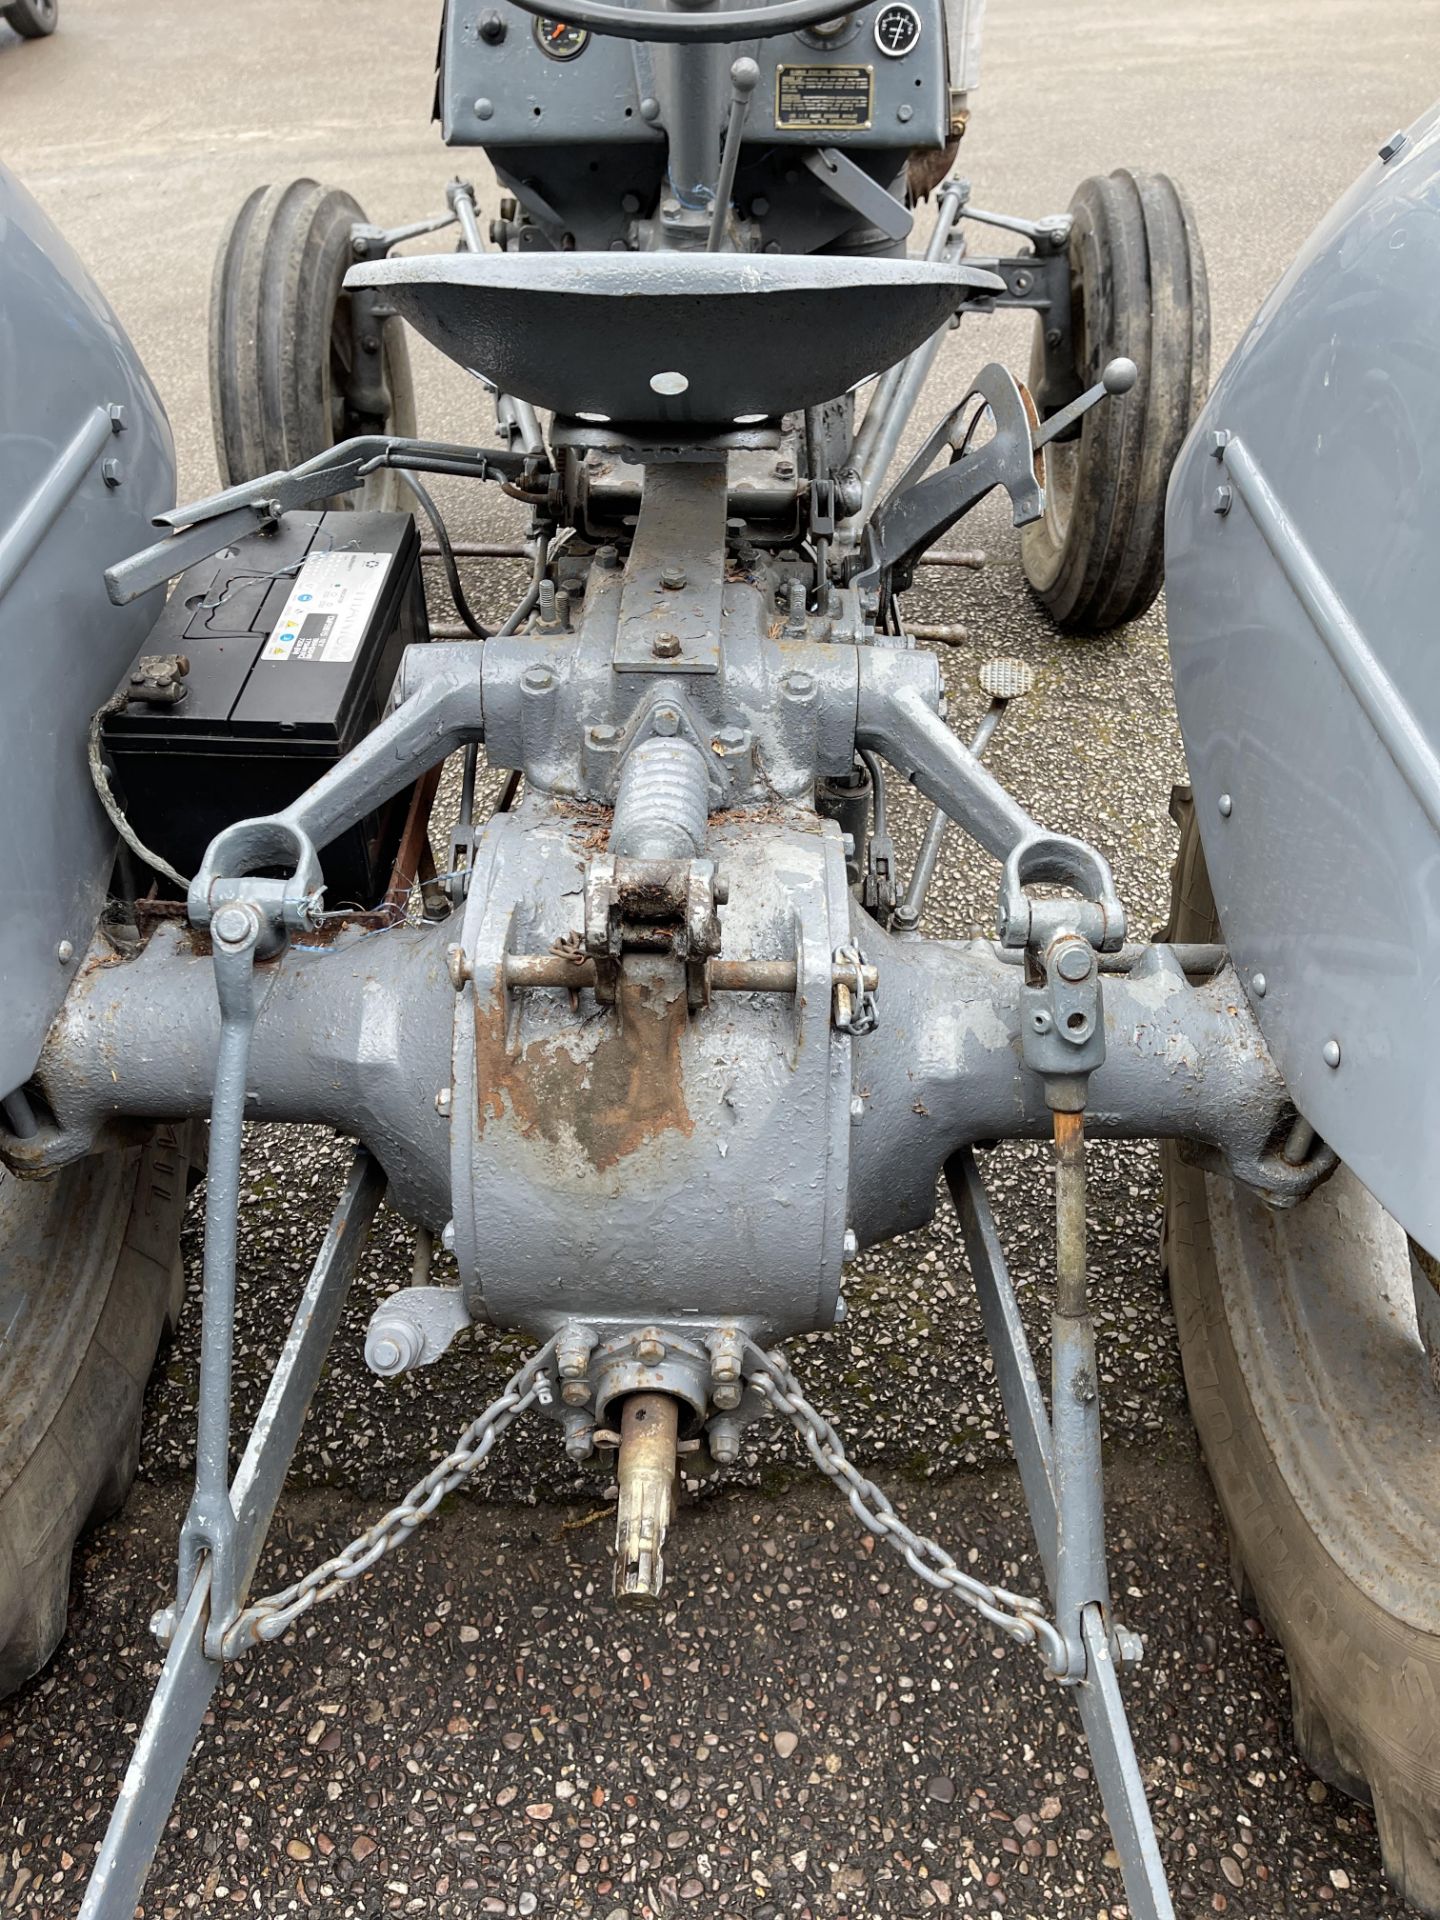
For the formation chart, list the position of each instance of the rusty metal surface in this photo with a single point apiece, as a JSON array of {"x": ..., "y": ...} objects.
[{"x": 611, "y": 1142}]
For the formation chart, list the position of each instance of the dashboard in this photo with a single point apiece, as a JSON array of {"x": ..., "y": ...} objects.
[{"x": 875, "y": 79}]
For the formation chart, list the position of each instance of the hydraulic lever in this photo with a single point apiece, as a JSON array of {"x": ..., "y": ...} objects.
[{"x": 744, "y": 78}]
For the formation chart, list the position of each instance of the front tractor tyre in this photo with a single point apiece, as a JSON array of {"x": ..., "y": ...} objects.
[{"x": 1096, "y": 558}]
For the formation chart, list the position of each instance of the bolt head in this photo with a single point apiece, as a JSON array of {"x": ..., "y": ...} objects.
[
  {"x": 111, "y": 472},
  {"x": 1397, "y": 143},
  {"x": 665, "y": 646},
  {"x": 799, "y": 685},
  {"x": 119, "y": 420},
  {"x": 1226, "y": 806},
  {"x": 672, "y": 579},
  {"x": 443, "y": 1100},
  {"x": 857, "y": 1110},
  {"x": 650, "y": 1350},
  {"x": 1219, "y": 440},
  {"x": 576, "y": 1393},
  {"x": 383, "y": 1355},
  {"x": 604, "y": 736},
  {"x": 1074, "y": 962},
  {"x": 850, "y": 1246},
  {"x": 666, "y": 721},
  {"x": 537, "y": 679},
  {"x": 1222, "y": 499},
  {"x": 727, "y": 1394},
  {"x": 65, "y": 952},
  {"x": 1330, "y": 1053},
  {"x": 162, "y": 1625},
  {"x": 232, "y": 925},
  {"x": 1259, "y": 986}
]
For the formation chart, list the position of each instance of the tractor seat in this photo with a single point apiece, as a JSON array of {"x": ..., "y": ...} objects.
[{"x": 700, "y": 338}]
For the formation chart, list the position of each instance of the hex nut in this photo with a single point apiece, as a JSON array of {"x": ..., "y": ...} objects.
[
  {"x": 650, "y": 1349},
  {"x": 443, "y": 1101},
  {"x": 672, "y": 579},
  {"x": 576, "y": 1393},
  {"x": 665, "y": 646}
]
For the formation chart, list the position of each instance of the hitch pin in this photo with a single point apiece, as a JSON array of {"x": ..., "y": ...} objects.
[{"x": 1118, "y": 376}]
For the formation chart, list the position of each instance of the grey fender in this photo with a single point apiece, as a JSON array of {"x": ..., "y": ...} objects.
[
  {"x": 65, "y": 364},
  {"x": 1303, "y": 587}
]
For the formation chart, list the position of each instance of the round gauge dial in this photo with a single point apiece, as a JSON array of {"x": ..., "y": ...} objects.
[
  {"x": 558, "y": 39},
  {"x": 897, "y": 29}
]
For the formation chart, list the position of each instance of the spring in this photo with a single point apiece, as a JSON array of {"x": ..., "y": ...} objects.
[{"x": 663, "y": 805}]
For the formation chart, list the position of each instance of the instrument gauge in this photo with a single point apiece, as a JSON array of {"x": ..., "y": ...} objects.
[
  {"x": 897, "y": 29},
  {"x": 558, "y": 40}
]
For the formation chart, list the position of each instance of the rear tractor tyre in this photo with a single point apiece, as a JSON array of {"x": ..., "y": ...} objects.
[
  {"x": 286, "y": 371},
  {"x": 1319, "y": 1414},
  {"x": 1137, "y": 289},
  {"x": 32, "y": 19},
  {"x": 90, "y": 1282}
]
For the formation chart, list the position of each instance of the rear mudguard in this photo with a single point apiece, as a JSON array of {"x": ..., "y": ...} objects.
[
  {"x": 1303, "y": 587},
  {"x": 65, "y": 363}
]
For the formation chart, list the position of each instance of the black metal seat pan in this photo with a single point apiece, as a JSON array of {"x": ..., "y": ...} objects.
[{"x": 705, "y": 338}]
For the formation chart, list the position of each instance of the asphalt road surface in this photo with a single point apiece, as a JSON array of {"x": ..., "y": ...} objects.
[{"x": 801, "y": 1730}]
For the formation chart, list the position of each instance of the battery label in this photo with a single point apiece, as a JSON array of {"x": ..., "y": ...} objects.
[
  {"x": 330, "y": 608},
  {"x": 823, "y": 99}
]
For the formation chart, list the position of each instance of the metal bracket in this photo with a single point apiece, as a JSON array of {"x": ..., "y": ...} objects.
[
  {"x": 918, "y": 509},
  {"x": 856, "y": 189},
  {"x": 414, "y": 1328}
]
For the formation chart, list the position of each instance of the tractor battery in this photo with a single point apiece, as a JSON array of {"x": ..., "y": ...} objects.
[{"x": 290, "y": 642}]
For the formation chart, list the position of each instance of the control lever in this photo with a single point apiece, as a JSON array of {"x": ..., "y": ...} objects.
[
  {"x": 744, "y": 78},
  {"x": 1117, "y": 376},
  {"x": 1047, "y": 235}
]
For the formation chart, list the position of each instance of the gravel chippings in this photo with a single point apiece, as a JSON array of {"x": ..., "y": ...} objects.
[{"x": 801, "y": 1730}]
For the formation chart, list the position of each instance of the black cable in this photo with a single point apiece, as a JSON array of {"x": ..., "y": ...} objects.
[{"x": 447, "y": 553}]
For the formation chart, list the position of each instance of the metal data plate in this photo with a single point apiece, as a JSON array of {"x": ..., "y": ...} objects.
[{"x": 1303, "y": 640}]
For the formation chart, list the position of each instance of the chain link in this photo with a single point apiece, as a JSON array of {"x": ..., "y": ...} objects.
[
  {"x": 855, "y": 1009},
  {"x": 1023, "y": 1619},
  {"x": 267, "y": 1619}
]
